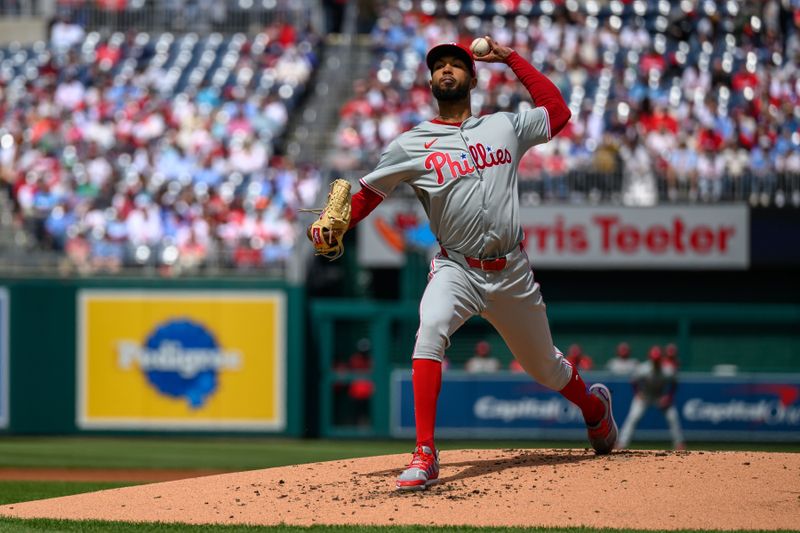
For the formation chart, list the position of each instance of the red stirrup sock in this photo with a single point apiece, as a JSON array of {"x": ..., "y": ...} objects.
[
  {"x": 590, "y": 405},
  {"x": 426, "y": 378}
]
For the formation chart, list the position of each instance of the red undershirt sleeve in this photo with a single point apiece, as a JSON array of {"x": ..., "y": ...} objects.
[
  {"x": 543, "y": 91},
  {"x": 362, "y": 204}
]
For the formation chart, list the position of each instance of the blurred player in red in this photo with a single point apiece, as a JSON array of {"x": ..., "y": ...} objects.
[
  {"x": 578, "y": 358},
  {"x": 482, "y": 362},
  {"x": 654, "y": 384},
  {"x": 671, "y": 356},
  {"x": 622, "y": 364}
]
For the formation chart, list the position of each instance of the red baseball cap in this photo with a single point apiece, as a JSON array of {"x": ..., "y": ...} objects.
[
  {"x": 671, "y": 351},
  {"x": 483, "y": 348},
  {"x": 655, "y": 353},
  {"x": 453, "y": 49}
]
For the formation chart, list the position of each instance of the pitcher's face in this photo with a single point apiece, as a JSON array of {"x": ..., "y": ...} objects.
[{"x": 451, "y": 79}]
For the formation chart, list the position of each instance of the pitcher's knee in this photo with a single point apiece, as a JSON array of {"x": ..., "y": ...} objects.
[
  {"x": 552, "y": 374},
  {"x": 432, "y": 340},
  {"x": 546, "y": 365}
]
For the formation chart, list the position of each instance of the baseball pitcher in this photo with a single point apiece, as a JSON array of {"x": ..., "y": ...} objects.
[{"x": 464, "y": 171}]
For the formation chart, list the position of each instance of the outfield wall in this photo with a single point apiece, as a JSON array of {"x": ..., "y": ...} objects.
[
  {"x": 757, "y": 339},
  {"x": 152, "y": 356},
  {"x": 230, "y": 356}
]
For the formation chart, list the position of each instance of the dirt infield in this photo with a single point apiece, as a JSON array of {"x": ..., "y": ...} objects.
[{"x": 631, "y": 489}]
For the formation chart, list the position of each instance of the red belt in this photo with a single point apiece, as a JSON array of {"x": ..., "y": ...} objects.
[{"x": 498, "y": 263}]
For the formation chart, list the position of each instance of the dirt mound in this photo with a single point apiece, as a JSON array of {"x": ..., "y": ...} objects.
[{"x": 631, "y": 489}]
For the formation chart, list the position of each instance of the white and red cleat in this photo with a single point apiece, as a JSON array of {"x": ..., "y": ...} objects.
[
  {"x": 603, "y": 435},
  {"x": 422, "y": 472}
]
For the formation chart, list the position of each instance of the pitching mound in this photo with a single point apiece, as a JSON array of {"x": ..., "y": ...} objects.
[{"x": 632, "y": 489}]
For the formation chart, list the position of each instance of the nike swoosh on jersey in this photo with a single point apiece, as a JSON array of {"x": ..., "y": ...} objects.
[{"x": 428, "y": 145}]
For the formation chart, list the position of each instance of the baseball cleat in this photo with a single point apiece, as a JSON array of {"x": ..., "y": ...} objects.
[
  {"x": 422, "y": 472},
  {"x": 603, "y": 435}
]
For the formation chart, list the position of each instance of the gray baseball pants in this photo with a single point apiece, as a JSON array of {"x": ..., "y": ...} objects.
[
  {"x": 509, "y": 299},
  {"x": 638, "y": 407}
]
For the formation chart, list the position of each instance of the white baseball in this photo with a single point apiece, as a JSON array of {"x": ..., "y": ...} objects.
[{"x": 480, "y": 47}]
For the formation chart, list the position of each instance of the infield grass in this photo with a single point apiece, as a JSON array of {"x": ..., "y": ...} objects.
[
  {"x": 53, "y": 526},
  {"x": 25, "y": 491}
]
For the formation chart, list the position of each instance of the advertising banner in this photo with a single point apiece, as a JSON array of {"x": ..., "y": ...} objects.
[
  {"x": 585, "y": 237},
  {"x": 4, "y": 343},
  {"x": 752, "y": 407},
  {"x": 199, "y": 360}
]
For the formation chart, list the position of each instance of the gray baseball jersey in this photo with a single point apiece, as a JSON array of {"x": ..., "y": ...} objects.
[
  {"x": 652, "y": 382},
  {"x": 466, "y": 178}
]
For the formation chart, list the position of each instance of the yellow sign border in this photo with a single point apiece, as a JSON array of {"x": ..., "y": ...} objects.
[{"x": 84, "y": 421}]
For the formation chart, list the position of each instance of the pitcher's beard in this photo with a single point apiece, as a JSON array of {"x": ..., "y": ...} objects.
[{"x": 450, "y": 94}]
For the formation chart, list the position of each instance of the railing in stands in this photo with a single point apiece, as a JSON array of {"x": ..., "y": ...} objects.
[{"x": 619, "y": 188}]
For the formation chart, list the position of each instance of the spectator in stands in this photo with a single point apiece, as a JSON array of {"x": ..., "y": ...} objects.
[
  {"x": 78, "y": 254},
  {"x": 578, "y": 358},
  {"x": 482, "y": 361},
  {"x": 182, "y": 164},
  {"x": 65, "y": 33},
  {"x": 622, "y": 364},
  {"x": 192, "y": 249},
  {"x": 639, "y": 183}
]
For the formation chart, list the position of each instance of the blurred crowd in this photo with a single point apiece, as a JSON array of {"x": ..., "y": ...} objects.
[
  {"x": 129, "y": 149},
  {"x": 621, "y": 363},
  {"x": 696, "y": 100}
]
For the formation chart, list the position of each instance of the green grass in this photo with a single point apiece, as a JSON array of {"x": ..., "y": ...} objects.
[
  {"x": 52, "y": 526},
  {"x": 25, "y": 491}
]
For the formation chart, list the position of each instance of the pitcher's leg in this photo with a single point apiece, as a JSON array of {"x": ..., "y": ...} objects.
[
  {"x": 519, "y": 314},
  {"x": 521, "y": 319},
  {"x": 448, "y": 302},
  {"x": 522, "y": 322}
]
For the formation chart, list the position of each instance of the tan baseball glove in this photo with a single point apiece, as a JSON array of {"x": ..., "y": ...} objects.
[{"x": 327, "y": 231}]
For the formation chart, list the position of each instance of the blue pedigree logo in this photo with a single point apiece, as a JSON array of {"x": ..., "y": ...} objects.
[{"x": 181, "y": 359}]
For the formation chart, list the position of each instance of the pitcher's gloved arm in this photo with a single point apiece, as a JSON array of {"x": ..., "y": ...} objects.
[
  {"x": 665, "y": 401},
  {"x": 363, "y": 203}
]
